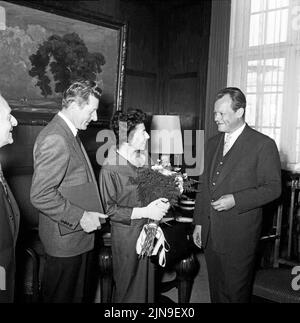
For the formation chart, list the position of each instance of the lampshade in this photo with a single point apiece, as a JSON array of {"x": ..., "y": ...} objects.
[{"x": 166, "y": 136}]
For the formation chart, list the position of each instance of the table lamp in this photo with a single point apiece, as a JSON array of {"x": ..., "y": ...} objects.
[{"x": 166, "y": 138}]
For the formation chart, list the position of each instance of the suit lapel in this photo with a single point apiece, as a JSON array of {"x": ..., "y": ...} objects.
[
  {"x": 80, "y": 151},
  {"x": 73, "y": 143},
  {"x": 234, "y": 156}
]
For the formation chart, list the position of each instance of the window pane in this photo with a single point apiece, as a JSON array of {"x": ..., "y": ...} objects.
[
  {"x": 274, "y": 4},
  {"x": 258, "y": 5},
  {"x": 257, "y": 23},
  {"x": 274, "y": 74},
  {"x": 251, "y": 110},
  {"x": 252, "y": 76},
  {"x": 277, "y": 23},
  {"x": 271, "y": 110},
  {"x": 264, "y": 94}
]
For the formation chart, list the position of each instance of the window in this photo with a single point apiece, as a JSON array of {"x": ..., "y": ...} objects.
[{"x": 264, "y": 60}]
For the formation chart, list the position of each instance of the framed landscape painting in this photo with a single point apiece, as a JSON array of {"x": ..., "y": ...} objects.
[{"x": 42, "y": 50}]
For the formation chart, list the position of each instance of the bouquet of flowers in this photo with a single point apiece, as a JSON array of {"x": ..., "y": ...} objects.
[{"x": 159, "y": 181}]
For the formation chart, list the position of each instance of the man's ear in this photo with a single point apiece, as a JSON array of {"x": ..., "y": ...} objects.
[
  {"x": 240, "y": 112},
  {"x": 73, "y": 106}
]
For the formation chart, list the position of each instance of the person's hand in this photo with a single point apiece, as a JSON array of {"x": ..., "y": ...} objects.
[
  {"x": 224, "y": 203},
  {"x": 90, "y": 221},
  {"x": 197, "y": 236},
  {"x": 157, "y": 209}
]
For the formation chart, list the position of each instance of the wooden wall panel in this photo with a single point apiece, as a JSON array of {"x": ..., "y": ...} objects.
[
  {"x": 140, "y": 93},
  {"x": 142, "y": 51},
  {"x": 187, "y": 37},
  {"x": 185, "y": 47},
  {"x": 182, "y": 100}
]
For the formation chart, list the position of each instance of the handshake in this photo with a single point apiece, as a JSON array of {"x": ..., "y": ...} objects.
[{"x": 90, "y": 221}]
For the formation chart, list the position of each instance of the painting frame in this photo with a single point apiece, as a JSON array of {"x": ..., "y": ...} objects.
[{"x": 26, "y": 115}]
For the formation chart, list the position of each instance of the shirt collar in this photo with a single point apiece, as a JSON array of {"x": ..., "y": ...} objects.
[
  {"x": 234, "y": 135},
  {"x": 69, "y": 123}
]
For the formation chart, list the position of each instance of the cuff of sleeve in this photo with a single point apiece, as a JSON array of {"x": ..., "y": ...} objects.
[{"x": 72, "y": 218}]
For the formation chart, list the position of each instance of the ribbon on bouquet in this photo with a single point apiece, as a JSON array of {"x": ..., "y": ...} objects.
[{"x": 161, "y": 245}]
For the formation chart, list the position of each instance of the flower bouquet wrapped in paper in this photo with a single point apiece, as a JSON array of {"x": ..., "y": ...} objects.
[{"x": 154, "y": 183}]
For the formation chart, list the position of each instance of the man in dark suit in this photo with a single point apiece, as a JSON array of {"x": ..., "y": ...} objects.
[
  {"x": 241, "y": 174},
  {"x": 9, "y": 214},
  {"x": 65, "y": 192}
]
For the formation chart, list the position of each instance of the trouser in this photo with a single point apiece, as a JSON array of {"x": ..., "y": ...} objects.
[
  {"x": 230, "y": 275},
  {"x": 69, "y": 279}
]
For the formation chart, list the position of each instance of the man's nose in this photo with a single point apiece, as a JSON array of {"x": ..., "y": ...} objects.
[
  {"x": 94, "y": 116},
  {"x": 14, "y": 121},
  {"x": 217, "y": 117}
]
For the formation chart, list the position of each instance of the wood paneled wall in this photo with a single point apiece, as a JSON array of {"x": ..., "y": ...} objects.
[{"x": 183, "y": 67}]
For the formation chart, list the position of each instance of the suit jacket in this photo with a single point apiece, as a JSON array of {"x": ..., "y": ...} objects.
[
  {"x": 252, "y": 173},
  {"x": 9, "y": 227},
  {"x": 63, "y": 185}
]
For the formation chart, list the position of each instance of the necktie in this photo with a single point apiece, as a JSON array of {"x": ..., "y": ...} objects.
[
  {"x": 226, "y": 144},
  {"x": 86, "y": 158},
  {"x": 81, "y": 148}
]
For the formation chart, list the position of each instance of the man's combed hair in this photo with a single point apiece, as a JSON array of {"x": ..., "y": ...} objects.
[
  {"x": 80, "y": 91},
  {"x": 237, "y": 96},
  {"x": 123, "y": 123}
]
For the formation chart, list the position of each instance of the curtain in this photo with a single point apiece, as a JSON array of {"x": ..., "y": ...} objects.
[{"x": 264, "y": 61}]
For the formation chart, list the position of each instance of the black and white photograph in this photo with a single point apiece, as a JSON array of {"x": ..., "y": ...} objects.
[{"x": 149, "y": 154}]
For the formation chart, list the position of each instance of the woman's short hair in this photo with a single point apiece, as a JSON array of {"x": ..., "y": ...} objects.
[
  {"x": 237, "y": 96},
  {"x": 122, "y": 123},
  {"x": 80, "y": 91}
]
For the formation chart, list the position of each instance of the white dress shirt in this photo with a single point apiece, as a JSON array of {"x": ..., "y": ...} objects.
[
  {"x": 69, "y": 123},
  {"x": 229, "y": 139}
]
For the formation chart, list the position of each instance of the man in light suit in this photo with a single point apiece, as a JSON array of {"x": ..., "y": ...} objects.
[
  {"x": 241, "y": 174},
  {"x": 9, "y": 214},
  {"x": 65, "y": 192}
]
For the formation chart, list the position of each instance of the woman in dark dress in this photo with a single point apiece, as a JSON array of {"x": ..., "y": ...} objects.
[{"x": 133, "y": 276}]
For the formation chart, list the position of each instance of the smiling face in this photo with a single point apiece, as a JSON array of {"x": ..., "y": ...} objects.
[
  {"x": 227, "y": 119},
  {"x": 138, "y": 137},
  {"x": 7, "y": 122},
  {"x": 84, "y": 113}
]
